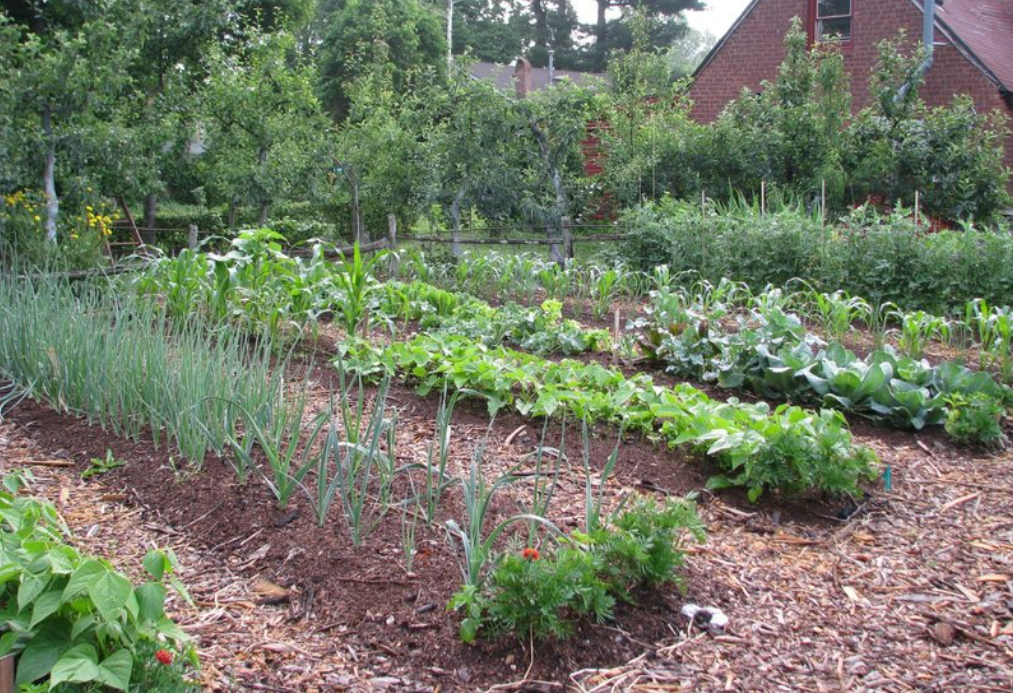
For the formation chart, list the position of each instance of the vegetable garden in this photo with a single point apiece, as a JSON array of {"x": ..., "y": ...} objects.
[{"x": 489, "y": 469}]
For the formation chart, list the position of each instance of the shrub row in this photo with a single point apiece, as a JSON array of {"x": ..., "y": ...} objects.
[{"x": 879, "y": 257}]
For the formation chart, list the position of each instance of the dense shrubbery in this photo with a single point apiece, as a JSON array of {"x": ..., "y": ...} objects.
[
  {"x": 798, "y": 136},
  {"x": 879, "y": 257}
]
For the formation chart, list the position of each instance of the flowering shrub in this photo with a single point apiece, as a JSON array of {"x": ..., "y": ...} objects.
[{"x": 81, "y": 236}]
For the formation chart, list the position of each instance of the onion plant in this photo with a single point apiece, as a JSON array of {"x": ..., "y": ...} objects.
[{"x": 123, "y": 364}]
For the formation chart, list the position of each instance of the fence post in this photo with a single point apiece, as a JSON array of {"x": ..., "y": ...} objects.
[
  {"x": 567, "y": 239},
  {"x": 191, "y": 241},
  {"x": 395, "y": 264}
]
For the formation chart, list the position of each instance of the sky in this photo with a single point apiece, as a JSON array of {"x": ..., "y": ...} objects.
[{"x": 716, "y": 19}]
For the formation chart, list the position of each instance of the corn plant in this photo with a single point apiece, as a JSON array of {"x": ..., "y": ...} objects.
[
  {"x": 354, "y": 279},
  {"x": 919, "y": 328},
  {"x": 837, "y": 312},
  {"x": 607, "y": 287},
  {"x": 878, "y": 321},
  {"x": 994, "y": 327}
]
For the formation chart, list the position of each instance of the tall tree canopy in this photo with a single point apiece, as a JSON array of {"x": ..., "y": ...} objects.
[{"x": 402, "y": 36}]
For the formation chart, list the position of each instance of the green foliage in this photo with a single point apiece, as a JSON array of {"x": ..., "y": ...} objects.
[
  {"x": 976, "y": 420},
  {"x": 75, "y": 619},
  {"x": 400, "y": 37},
  {"x": 102, "y": 465},
  {"x": 740, "y": 437},
  {"x": 536, "y": 594},
  {"x": 126, "y": 366},
  {"x": 772, "y": 353},
  {"x": 879, "y": 257},
  {"x": 641, "y": 547}
]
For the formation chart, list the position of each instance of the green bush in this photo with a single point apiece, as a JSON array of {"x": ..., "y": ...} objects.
[
  {"x": 976, "y": 420},
  {"x": 879, "y": 257},
  {"x": 73, "y": 619},
  {"x": 539, "y": 594}
]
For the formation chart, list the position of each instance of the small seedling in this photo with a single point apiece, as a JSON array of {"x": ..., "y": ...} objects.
[{"x": 99, "y": 465}]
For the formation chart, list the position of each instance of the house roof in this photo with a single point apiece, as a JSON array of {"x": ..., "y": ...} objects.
[
  {"x": 503, "y": 75},
  {"x": 985, "y": 28},
  {"x": 981, "y": 29}
]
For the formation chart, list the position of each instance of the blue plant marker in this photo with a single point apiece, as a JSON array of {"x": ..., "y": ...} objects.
[{"x": 888, "y": 478}]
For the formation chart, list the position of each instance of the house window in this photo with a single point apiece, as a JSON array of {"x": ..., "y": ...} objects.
[{"x": 832, "y": 20}]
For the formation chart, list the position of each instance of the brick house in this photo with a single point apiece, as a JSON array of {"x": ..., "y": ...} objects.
[{"x": 973, "y": 52}]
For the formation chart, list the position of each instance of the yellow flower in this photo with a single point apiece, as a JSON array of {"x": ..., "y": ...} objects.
[
  {"x": 38, "y": 218},
  {"x": 90, "y": 208},
  {"x": 74, "y": 236}
]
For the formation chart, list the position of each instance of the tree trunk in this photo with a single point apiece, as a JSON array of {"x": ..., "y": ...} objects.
[
  {"x": 233, "y": 204},
  {"x": 49, "y": 175},
  {"x": 265, "y": 208},
  {"x": 358, "y": 230},
  {"x": 555, "y": 231},
  {"x": 540, "y": 54},
  {"x": 601, "y": 36},
  {"x": 150, "y": 212}
]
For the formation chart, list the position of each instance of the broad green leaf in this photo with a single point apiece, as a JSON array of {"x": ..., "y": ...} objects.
[
  {"x": 114, "y": 671},
  {"x": 151, "y": 601},
  {"x": 155, "y": 563},
  {"x": 77, "y": 665},
  {"x": 45, "y": 606},
  {"x": 83, "y": 577},
  {"x": 110, "y": 593},
  {"x": 37, "y": 660}
]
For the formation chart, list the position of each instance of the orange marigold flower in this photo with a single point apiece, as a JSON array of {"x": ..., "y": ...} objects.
[
  {"x": 164, "y": 656},
  {"x": 529, "y": 554}
]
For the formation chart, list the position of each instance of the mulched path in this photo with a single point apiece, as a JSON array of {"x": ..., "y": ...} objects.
[{"x": 914, "y": 591}]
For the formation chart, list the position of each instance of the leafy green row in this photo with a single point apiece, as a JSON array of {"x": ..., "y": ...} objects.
[
  {"x": 787, "y": 448},
  {"x": 772, "y": 353},
  {"x": 540, "y": 329}
]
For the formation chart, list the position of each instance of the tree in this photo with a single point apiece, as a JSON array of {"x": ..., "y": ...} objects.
[
  {"x": 474, "y": 141},
  {"x": 487, "y": 30},
  {"x": 557, "y": 121},
  {"x": 355, "y": 32},
  {"x": 612, "y": 35},
  {"x": 65, "y": 84},
  {"x": 265, "y": 127}
]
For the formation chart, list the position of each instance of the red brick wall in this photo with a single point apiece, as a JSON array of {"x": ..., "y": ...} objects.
[{"x": 755, "y": 51}]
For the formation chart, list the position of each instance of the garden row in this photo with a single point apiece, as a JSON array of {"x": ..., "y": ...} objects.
[{"x": 201, "y": 389}]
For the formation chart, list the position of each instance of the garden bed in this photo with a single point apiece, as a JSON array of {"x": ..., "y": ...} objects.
[{"x": 812, "y": 600}]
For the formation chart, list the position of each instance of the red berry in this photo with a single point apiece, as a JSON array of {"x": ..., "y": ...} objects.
[
  {"x": 164, "y": 656},
  {"x": 529, "y": 554}
]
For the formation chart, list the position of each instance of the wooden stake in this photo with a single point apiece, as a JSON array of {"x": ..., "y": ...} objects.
[
  {"x": 616, "y": 336},
  {"x": 191, "y": 241},
  {"x": 917, "y": 206},
  {"x": 823, "y": 202},
  {"x": 763, "y": 198},
  {"x": 7, "y": 674}
]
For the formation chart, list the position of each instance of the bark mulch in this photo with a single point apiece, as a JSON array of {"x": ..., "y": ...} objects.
[{"x": 910, "y": 590}]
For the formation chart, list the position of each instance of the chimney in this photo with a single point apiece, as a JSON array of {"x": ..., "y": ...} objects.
[{"x": 522, "y": 78}]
